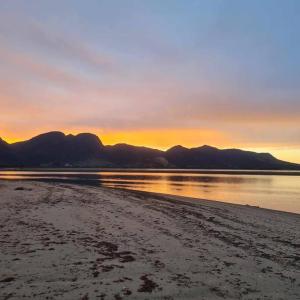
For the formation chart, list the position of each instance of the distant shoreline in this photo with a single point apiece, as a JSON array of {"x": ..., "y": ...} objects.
[{"x": 139, "y": 170}]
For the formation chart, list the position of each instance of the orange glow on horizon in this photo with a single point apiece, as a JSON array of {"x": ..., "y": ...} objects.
[
  {"x": 164, "y": 139},
  {"x": 154, "y": 138}
]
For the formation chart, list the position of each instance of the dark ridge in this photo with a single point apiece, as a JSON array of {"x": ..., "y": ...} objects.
[{"x": 55, "y": 149}]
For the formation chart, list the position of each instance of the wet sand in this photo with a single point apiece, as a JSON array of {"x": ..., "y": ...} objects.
[{"x": 64, "y": 241}]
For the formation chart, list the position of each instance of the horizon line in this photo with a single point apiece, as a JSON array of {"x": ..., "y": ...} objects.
[{"x": 163, "y": 149}]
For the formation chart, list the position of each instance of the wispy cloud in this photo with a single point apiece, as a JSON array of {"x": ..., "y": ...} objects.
[
  {"x": 68, "y": 48},
  {"x": 31, "y": 67},
  {"x": 50, "y": 43}
]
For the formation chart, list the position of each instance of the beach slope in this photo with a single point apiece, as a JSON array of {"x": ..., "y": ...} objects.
[{"x": 63, "y": 241}]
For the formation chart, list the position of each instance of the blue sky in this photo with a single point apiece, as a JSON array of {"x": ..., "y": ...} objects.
[{"x": 228, "y": 68}]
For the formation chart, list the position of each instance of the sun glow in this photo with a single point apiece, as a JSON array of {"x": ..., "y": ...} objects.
[{"x": 164, "y": 139}]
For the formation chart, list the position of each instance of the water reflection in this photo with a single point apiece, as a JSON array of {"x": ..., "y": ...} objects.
[{"x": 269, "y": 191}]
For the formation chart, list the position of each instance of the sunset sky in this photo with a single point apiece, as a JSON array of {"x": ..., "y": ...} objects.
[{"x": 154, "y": 73}]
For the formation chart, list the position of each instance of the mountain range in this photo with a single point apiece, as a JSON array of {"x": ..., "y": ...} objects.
[{"x": 55, "y": 149}]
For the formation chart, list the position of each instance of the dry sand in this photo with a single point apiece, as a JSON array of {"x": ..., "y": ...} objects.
[{"x": 61, "y": 241}]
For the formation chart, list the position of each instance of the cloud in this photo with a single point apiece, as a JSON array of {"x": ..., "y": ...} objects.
[
  {"x": 69, "y": 48},
  {"x": 31, "y": 67},
  {"x": 34, "y": 36}
]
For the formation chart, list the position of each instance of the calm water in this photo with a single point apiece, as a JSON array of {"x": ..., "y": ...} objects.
[{"x": 277, "y": 191}]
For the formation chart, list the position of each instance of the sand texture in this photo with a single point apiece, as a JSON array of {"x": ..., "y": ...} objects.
[{"x": 61, "y": 241}]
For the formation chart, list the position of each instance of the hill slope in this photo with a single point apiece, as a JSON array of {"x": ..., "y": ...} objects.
[
  {"x": 207, "y": 157},
  {"x": 55, "y": 149}
]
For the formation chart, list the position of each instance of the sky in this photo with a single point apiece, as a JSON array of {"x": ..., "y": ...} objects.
[{"x": 154, "y": 73}]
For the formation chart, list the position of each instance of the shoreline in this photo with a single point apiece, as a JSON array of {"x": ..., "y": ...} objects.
[
  {"x": 95, "y": 183},
  {"x": 68, "y": 241},
  {"x": 137, "y": 170},
  {"x": 192, "y": 200}
]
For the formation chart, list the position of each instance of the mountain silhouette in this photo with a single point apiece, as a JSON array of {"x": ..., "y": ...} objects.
[
  {"x": 55, "y": 149},
  {"x": 7, "y": 156},
  {"x": 135, "y": 157},
  {"x": 207, "y": 157}
]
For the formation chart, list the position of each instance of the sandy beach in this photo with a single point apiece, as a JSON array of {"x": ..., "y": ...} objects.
[{"x": 64, "y": 241}]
